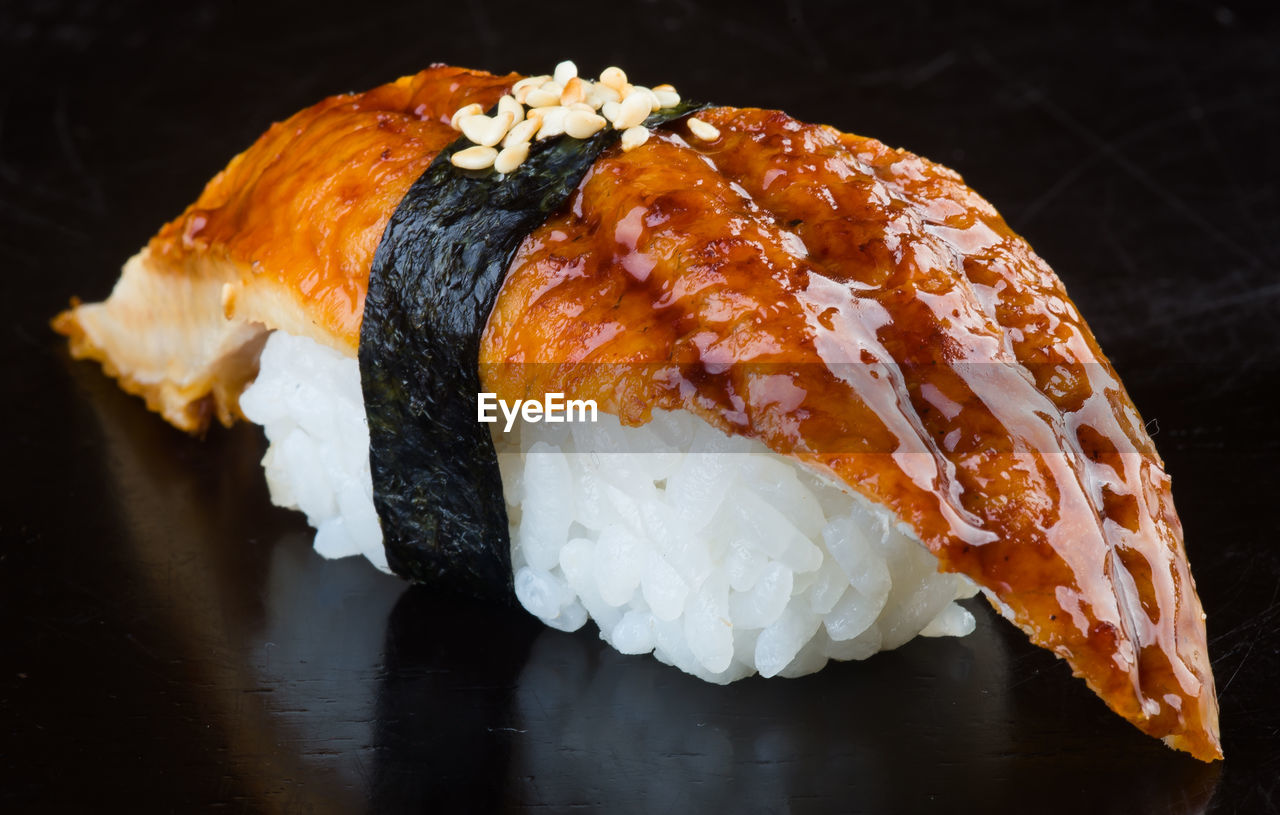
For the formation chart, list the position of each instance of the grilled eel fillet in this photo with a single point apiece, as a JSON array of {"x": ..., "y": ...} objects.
[{"x": 851, "y": 305}]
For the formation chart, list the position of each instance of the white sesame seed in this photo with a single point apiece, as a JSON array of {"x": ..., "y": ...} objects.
[
  {"x": 466, "y": 110},
  {"x": 607, "y": 93},
  {"x": 501, "y": 124},
  {"x": 541, "y": 98},
  {"x": 668, "y": 99},
  {"x": 529, "y": 82},
  {"x": 582, "y": 124},
  {"x": 474, "y": 158},
  {"x": 565, "y": 71},
  {"x": 511, "y": 157},
  {"x": 475, "y": 123},
  {"x": 614, "y": 77},
  {"x": 545, "y": 106},
  {"x": 552, "y": 122},
  {"x": 523, "y": 131},
  {"x": 574, "y": 91},
  {"x": 508, "y": 104},
  {"x": 654, "y": 104},
  {"x": 703, "y": 130},
  {"x": 521, "y": 89},
  {"x": 633, "y": 110},
  {"x": 633, "y": 137},
  {"x": 486, "y": 130}
]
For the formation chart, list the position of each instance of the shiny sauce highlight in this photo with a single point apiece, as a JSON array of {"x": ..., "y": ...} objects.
[{"x": 861, "y": 309}]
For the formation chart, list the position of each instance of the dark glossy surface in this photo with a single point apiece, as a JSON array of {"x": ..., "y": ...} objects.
[{"x": 171, "y": 644}]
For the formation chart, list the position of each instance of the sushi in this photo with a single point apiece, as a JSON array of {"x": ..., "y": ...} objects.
[{"x": 833, "y": 393}]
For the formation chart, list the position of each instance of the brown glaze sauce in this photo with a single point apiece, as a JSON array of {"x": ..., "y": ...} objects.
[
  {"x": 860, "y": 308},
  {"x": 852, "y": 305},
  {"x": 307, "y": 204}
]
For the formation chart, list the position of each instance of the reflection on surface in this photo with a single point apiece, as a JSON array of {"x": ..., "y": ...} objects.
[
  {"x": 326, "y": 686},
  {"x": 318, "y": 657},
  {"x": 445, "y": 722},
  {"x": 937, "y": 723},
  {"x": 233, "y": 578}
]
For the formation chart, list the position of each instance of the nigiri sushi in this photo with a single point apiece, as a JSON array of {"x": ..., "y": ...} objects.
[{"x": 835, "y": 392}]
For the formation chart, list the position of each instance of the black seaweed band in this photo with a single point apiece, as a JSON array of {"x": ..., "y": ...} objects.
[{"x": 434, "y": 280}]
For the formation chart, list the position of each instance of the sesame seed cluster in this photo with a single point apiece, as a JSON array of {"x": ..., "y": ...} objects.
[{"x": 562, "y": 104}]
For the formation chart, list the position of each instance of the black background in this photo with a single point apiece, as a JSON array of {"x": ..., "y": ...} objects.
[{"x": 168, "y": 642}]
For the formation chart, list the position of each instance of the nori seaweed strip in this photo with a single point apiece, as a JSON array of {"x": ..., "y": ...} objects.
[{"x": 434, "y": 280}]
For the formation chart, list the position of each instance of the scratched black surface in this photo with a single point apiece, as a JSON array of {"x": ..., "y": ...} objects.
[{"x": 168, "y": 642}]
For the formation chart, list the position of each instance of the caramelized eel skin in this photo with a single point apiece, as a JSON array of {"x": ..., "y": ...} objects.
[
  {"x": 861, "y": 309},
  {"x": 281, "y": 239},
  {"x": 307, "y": 205},
  {"x": 853, "y": 306}
]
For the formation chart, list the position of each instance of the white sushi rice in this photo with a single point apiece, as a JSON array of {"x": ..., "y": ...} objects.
[
  {"x": 307, "y": 398},
  {"x": 713, "y": 553}
]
